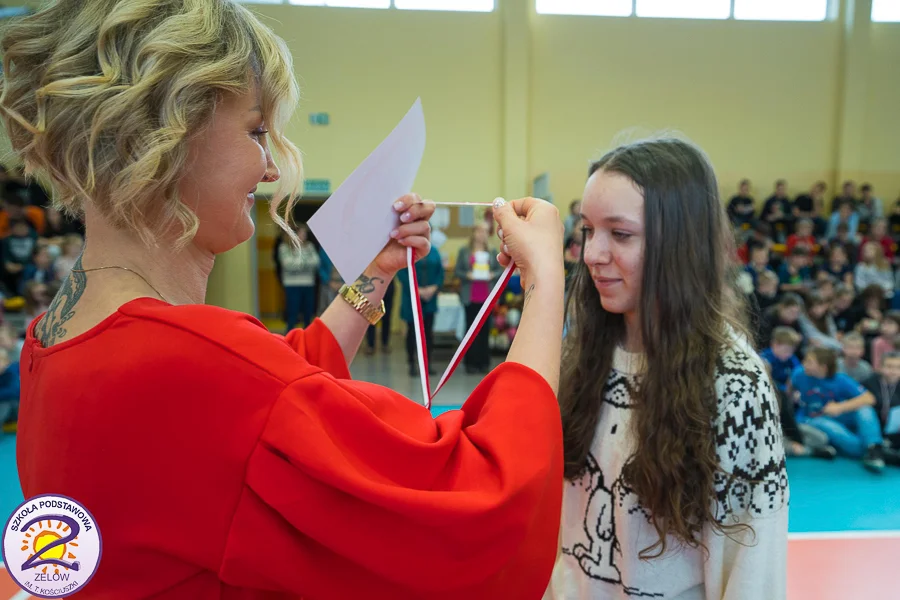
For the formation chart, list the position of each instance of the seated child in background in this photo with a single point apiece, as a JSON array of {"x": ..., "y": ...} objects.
[
  {"x": 41, "y": 269},
  {"x": 838, "y": 406},
  {"x": 780, "y": 357},
  {"x": 826, "y": 286},
  {"x": 879, "y": 233},
  {"x": 9, "y": 388},
  {"x": 766, "y": 292},
  {"x": 795, "y": 273},
  {"x": 786, "y": 313},
  {"x": 10, "y": 342},
  {"x": 817, "y": 325},
  {"x": 884, "y": 343},
  {"x": 759, "y": 262},
  {"x": 885, "y": 387},
  {"x": 781, "y": 362},
  {"x": 846, "y": 315},
  {"x": 845, "y": 241},
  {"x": 762, "y": 298},
  {"x": 72, "y": 247},
  {"x": 852, "y": 362},
  {"x": 838, "y": 265},
  {"x": 802, "y": 237},
  {"x": 761, "y": 235}
]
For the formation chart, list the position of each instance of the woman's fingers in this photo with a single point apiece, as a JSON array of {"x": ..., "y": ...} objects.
[
  {"x": 422, "y": 245},
  {"x": 404, "y": 202},
  {"x": 412, "y": 208},
  {"x": 416, "y": 228}
]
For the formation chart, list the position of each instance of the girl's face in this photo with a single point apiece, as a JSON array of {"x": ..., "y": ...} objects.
[
  {"x": 889, "y": 328},
  {"x": 303, "y": 233},
  {"x": 613, "y": 214},
  {"x": 804, "y": 230}
]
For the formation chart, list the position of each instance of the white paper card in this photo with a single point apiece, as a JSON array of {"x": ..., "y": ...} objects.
[{"x": 356, "y": 222}]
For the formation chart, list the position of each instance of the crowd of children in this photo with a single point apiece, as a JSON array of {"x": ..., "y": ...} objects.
[
  {"x": 38, "y": 247},
  {"x": 821, "y": 289}
]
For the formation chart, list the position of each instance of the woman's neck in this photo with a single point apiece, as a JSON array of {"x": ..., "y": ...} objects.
[
  {"x": 634, "y": 341},
  {"x": 179, "y": 276}
]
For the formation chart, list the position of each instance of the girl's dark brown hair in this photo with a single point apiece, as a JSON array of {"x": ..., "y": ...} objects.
[
  {"x": 814, "y": 299},
  {"x": 688, "y": 305}
]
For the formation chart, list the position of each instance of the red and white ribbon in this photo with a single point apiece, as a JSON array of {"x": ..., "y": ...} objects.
[{"x": 419, "y": 324}]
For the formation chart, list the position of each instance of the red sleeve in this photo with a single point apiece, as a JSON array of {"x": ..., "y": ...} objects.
[
  {"x": 318, "y": 346},
  {"x": 356, "y": 492}
]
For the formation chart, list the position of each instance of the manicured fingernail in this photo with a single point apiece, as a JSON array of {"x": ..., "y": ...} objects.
[
  {"x": 500, "y": 233},
  {"x": 406, "y": 217},
  {"x": 498, "y": 202},
  {"x": 505, "y": 249},
  {"x": 398, "y": 205},
  {"x": 395, "y": 233}
]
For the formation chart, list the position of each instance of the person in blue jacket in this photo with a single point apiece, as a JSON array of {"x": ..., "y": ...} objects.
[{"x": 430, "y": 277}]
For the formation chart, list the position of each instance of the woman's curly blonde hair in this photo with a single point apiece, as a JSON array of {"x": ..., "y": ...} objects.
[{"x": 101, "y": 97}]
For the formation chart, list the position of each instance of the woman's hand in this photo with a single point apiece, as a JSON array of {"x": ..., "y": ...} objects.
[
  {"x": 532, "y": 236},
  {"x": 414, "y": 232}
]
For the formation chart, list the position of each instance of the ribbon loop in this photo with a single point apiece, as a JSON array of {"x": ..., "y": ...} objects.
[{"x": 419, "y": 324}]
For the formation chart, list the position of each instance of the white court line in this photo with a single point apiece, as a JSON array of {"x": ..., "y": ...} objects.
[
  {"x": 23, "y": 595},
  {"x": 843, "y": 535}
]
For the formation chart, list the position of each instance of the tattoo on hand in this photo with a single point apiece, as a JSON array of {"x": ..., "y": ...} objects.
[
  {"x": 528, "y": 295},
  {"x": 366, "y": 285}
]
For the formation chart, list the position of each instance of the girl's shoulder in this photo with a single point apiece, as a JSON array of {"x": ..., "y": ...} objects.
[{"x": 753, "y": 476}]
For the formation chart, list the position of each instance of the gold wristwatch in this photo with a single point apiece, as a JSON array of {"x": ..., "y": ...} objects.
[{"x": 361, "y": 304}]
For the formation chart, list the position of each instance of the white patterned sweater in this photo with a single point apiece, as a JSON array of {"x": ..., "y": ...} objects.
[{"x": 604, "y": 526}]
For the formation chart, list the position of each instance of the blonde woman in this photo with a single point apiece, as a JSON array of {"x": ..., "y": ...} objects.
[{"x": 220, "y": 460}]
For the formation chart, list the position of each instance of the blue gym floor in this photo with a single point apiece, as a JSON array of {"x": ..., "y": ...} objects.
[{"x": 825, "y": 496}]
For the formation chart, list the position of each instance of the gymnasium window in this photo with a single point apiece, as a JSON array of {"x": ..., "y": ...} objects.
[
  {"x": 886, "y": 11},
  {"x": 760, "y": 10},
  {"x": 685, "y": 9},
  {"x": 781, "y": 10},
  {"x": 455, "y": 5},
  {"x": 344, "y": 3},
  {"x": 604, "y": 8},
  {"x": 446, "y": 5}
]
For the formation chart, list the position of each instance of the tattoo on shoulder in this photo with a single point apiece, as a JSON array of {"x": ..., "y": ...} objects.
[
  {"x": 527, "y": 295},
  {"x": 366, "y": 285},
  {"x": 52, "y": 327}
]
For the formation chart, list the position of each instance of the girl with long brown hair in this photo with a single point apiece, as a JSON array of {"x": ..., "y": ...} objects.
[{"x": 674, "y": 465}]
